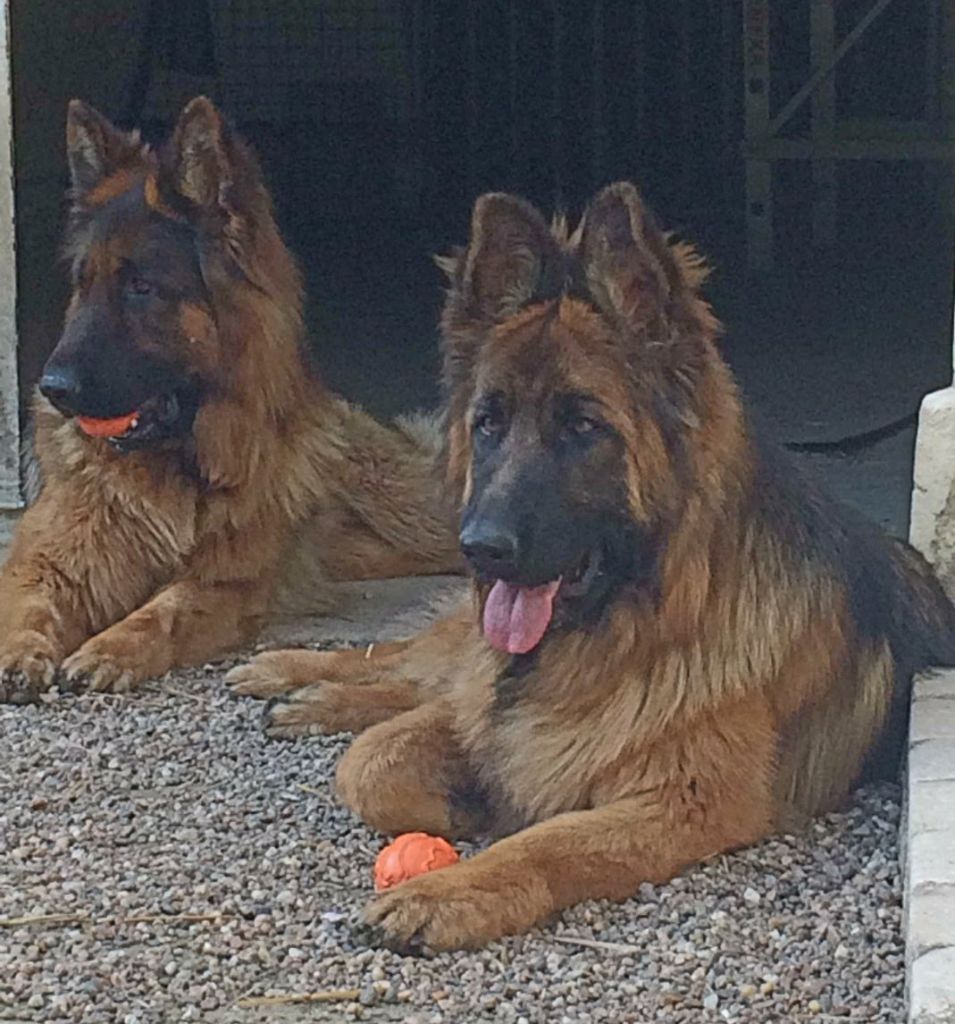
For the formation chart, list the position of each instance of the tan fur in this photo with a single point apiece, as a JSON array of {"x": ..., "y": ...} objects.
[
  {"x": 737, "y": 696},
  {"x": 113, "y": 186},
  {"x": 130, "y": 564}
]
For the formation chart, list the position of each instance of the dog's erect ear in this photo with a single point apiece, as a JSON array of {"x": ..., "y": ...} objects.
[
  {"x": 95, "y": 147},
  {"x": 208, "y": 175},
  {"x": 511, "y": 260},
  {"x": 449, "y": 263},
  {"x": 201, "y": 158},
  {"x": 629, "y": 268}
]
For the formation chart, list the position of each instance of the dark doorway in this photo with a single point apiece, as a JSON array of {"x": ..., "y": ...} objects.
[{"x": 379, "y": 121}]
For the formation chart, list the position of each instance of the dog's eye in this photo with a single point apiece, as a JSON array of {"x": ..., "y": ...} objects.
[
  {"x": 582, "y": 426},
  {"x": 488, "y": 424},
  {"x": 139, "y": 287}
]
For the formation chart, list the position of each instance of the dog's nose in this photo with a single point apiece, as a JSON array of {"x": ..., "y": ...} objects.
[
  {"x": 489, "y": 547},
  {"x": 61, "y": 386}
]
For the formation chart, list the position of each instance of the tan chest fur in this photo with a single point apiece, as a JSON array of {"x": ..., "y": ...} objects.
[
  {"x": 553, "y": 740},
  {"x": 120, "y": 507}
]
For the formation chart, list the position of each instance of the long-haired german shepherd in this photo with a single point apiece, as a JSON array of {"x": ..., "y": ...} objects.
[
  {"x": 679, "y": 644},
  {"x": 190, "y": 461}
]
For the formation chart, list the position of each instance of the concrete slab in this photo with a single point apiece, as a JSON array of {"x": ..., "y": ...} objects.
[
  {"x": 376, "y": 610},
  {"x": 930, "y": 987},
  {"x": 931, "y": 921},
  {"x": 935, "y": 721},
  {"x": 932, "y": 522},
  {"x": 930, "y": 858},
  {"x": 929, "y": 845},
  {"x": 924, "y": 801},
  {"x": 937, "y": 686},
  {"x": 931, "y": 759}
]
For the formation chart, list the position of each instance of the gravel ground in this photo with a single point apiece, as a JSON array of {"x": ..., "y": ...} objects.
[{"x": 198, "y": 866}]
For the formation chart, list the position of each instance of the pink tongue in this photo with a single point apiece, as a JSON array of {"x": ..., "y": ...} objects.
[{"x": 515, "y": 618}]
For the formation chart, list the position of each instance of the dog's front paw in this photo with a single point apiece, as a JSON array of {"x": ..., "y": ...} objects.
[
  {"x": 97, "y": 669},
  {"x": 439, "y": 911},
  {"x": 28, "y": 666},
  {"x": 266, "y": 675},
  {"x": 321, "y": 709}
]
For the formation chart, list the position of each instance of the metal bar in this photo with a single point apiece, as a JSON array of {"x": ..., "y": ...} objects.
[
  {"x": 953, "y": 348},
  {"x": 886, "y": 128},
  {"x": 597, "y": 108},
  {"x": 759, "y": 171},
  {"x": 557, "y": 114},
  {"x": 756, "y": 67},
  {"x": 822, "y": 26},
  {"x": 513, "y": 98},
  {"x": 728, "y": 28},
  {"x": 417, "y": 64},
  {"x": 11, "y": 495},
  {"x": 930, "y": 110},
  {"x": 759, "y": 214},
  {"x": 945, "y": 181},
  {"x": 640, "y": 63},
  {"x": 852, "y": 149},
  {"x": 686, "y": 100},
  {"x": 824, "y": 72},
  {"x": 472, "y": 92},
  {"x": 946, "y": 97}
]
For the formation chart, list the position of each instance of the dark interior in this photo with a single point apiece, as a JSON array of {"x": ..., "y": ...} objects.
[{"x": 379, "y": 122}]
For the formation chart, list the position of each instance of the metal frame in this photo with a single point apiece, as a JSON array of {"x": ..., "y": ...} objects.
[
  {"x": 831, "y": 140},
  {"x": 11, "y": 496},
  {"x": 557, "y": 51},
  {"x": 759, "y": 173}
]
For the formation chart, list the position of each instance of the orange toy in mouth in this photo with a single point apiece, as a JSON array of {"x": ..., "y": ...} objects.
[
  {"x": 114, "y": 427},
  {"x": 409, "y": 855}
]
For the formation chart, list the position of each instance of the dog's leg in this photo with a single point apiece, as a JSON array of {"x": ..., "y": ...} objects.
[
  {"x": 56, "y": 589},
  {"x": 273, "y": 673},
  {"x": 408, "y": 775},
  {"x": 43, "y": 621},
  {"x": 185, "y": 623},
  {"x": 217, "y": 605},
  {"x": 347, "y": 691},
  {"x": 358, "y": 688},
  {"x": 326, "y": 708},
  {"x": 695, "y": 795}
]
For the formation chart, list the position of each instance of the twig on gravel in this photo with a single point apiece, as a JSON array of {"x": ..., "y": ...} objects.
[
  {"x": 825, "y": 1018},
  {"x": 22, "y": 922},
  {"x": 309, "y": 789},
  {"x": 174, "y": 691},
  {"x": 610, "y": 947},
  {"x": 335, "y": 995},
  {"x": 215, "y": 915}
]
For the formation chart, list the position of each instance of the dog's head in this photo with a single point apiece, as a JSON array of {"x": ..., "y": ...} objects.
[
  {"x": 583, "y": 387},
  {"x": 154, "y": 238}
]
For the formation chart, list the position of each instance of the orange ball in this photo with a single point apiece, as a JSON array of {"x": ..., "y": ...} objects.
[
  {"x": 115, "y": 427},
  {"x": 411, "y": 854}
]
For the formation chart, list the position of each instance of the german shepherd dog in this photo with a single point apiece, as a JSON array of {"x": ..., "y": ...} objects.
[
  {"x": 678, "y": 645},
  {"x": 194, "y": 471}
]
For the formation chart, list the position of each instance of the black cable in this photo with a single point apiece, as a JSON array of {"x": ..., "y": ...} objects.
[{"x": 853, "y": 443}]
